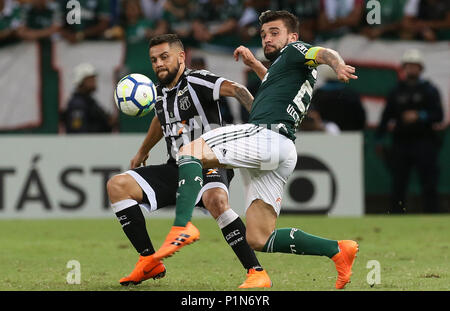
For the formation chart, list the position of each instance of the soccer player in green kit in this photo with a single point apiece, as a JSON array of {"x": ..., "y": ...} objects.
[{"x": 264, "y": 149}]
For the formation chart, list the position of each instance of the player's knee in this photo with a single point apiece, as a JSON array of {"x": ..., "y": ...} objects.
[
  {"x": 255, "y": 241},
  {"x": 116, "y": 187},
  {"x": 215, "y": 202}
]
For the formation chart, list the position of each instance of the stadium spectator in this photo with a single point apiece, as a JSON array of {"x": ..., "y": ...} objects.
[
  {"x": 42, "y": 19},
  {"x": 415, "y": 106},
  {"x": 248, "y": 23},
  {"x": 10, "y": 20},
  {"x": 135, "y": 30},
  {"x": 337, "y": 18},
  {"x": 83, "y": 114},
  {"x": 135, "y": 26},
  {"x": 114, "y": 12},
  {"x": 95, "y": 17},
  {"x": 308, "y": 13},
  {"x": 216, "y": 21},
  {"x": 153, "y": 9},
  {"x": 390, "y": 21},
  {"x": 426, "y": 19},
  {"x": 178, "y": 14},
  {"x": 336, "y": 102}
]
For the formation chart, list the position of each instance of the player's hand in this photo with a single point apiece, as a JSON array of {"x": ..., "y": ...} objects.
[
  {"x": 247, "y": 56},
  {"x": 138, "y": 159},
  {"x": 345, "y": 73}
]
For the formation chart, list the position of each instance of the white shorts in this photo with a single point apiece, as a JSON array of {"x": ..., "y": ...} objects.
[{"x": 266, "y": 159}]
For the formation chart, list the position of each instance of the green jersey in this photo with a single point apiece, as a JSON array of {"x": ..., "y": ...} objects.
[
  {"x": 41, "y": 18},
  {"x": 285, "y": 93},
  {"x": 10, "y": 16}
]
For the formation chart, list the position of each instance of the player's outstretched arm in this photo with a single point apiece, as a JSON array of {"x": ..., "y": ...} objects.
[
  {"x": 334, "y": 60},
  {"x": 250, "y": 60},
  {"x": 238, "y": 91},
  {"x": 154, "y": 135}
]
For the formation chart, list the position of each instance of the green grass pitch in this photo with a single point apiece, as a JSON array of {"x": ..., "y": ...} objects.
[{"x": 412, "y": 251}]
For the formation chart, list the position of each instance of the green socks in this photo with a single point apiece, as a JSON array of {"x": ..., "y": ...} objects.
[
  {"x": 190, "y": 181},
  {"x": 291, "y": 240}
]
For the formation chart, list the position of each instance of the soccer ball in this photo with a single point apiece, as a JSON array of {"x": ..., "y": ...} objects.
[{"x": 135, "y": 95}]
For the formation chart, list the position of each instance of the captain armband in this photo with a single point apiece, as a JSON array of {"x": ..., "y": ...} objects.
[{"x": 310, "y": 56}]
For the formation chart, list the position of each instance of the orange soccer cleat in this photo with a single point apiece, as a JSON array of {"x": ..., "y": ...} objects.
[
  {"x": 256, "y": 279},
  {"x": 147, "y": 267},
  {"x": 176, "y": 239},
  {"x": 344, "y": 261}
]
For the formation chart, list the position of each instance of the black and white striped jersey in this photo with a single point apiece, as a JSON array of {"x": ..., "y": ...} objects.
[{"x": 189, "y": 109}]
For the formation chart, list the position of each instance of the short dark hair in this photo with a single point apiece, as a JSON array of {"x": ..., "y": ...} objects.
[
  {"x": 166, "y": 38},
  {"x": 290, "y": 20}
]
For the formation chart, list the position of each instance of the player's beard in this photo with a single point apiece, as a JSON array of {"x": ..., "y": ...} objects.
[
  {"x": 171, "y": 75},
  {"x": 271, "y": 56}
]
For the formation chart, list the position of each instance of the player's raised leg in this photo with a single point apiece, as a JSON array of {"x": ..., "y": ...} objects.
[
  {"x": 124, "y": 194},
  {"x": 191, "y": 160},
  {"x": 262, "y": 236}
]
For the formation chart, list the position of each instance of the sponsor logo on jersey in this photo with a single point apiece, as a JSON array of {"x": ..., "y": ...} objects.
[
  {"x": 301, "y": 48},
  {"x": 173, "y": 129}
]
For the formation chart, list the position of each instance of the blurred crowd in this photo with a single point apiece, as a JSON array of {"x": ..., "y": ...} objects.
[{"x": 228, "y": 22}]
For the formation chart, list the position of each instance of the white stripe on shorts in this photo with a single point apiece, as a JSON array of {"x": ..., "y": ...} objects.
[
  {"x": 225, "y": 137},
  {"x": 147, "y": 189}
]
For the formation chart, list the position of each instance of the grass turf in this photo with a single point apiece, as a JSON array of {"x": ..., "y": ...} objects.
[{"x": 413, "y": 252}]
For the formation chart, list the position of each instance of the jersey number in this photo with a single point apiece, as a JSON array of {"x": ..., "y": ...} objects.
[{"x": 306, "y": 88}]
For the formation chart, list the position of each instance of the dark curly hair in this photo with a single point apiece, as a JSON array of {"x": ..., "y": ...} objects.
[{"x": 290, "y": 20}]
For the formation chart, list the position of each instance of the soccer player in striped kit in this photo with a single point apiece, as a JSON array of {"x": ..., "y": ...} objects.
[{"x": 186, "y": 107}]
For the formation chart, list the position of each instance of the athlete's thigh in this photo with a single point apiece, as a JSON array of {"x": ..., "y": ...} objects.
[{"x": 159, "y": 184}]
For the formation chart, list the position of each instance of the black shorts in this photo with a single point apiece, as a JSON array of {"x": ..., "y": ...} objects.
[{"x": 159, "y": 183}]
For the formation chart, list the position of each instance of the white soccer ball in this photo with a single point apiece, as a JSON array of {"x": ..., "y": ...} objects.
[{"x": 135, "y": 95}]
